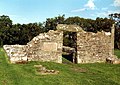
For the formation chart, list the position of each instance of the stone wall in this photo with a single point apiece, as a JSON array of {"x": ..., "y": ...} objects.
[
  {"x": 44, "y": 47},
  {"x": 93, "y": 47},
  {"x": 16, "y": 53}
]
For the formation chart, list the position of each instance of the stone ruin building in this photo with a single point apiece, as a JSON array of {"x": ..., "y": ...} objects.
[{"x": 90, "y": 47}]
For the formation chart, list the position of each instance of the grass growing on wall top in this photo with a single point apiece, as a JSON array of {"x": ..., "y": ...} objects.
[{"x": 70, "y": 74}]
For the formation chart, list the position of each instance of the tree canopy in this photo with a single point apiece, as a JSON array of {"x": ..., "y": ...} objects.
[
  {"x": 22, "y": 33},
  {"x": 116, "y": 18}
]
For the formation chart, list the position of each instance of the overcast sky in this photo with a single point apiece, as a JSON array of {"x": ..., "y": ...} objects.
[{"x": 26, "y": 11}]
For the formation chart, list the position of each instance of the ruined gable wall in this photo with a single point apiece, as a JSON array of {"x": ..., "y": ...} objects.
[
  {"x": 93, "y": 47},
  {"x": 46, "y": 47}
]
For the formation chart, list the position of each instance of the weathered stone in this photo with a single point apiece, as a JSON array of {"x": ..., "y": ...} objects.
[
  {"x": 110, "y": 60},
  {"x": 91, "y": 47},
  {"x": 70, "y": 28},
  {"x": 16, "y": 53},
  {"x": 43, "y": 71},
  {"x": 49, "y": 46},
  {"x": 113, "y": 60},
  {"x": 117, "y": 61},
  {"x": 38, "y": 66},
  {"x": 44, "y": 47},
  {"x": 68, "y": 50}
]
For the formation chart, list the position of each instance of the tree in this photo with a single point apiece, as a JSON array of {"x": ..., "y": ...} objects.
[
  {"x": 5, "y": 21},
  {"x": 51, "y": 23},
  {"x": 17, "y": 33},
  {"x": 103, "y": 24},
  {"x": 5, "y": 25},
  {"x": 116, "y": 18}
]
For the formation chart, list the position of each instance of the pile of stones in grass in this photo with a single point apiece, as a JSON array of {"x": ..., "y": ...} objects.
[
  {"x": 43, "y": 71},
  {"x": 113, "y": 60}
]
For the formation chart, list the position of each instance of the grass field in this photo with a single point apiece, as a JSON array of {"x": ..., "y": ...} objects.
[
  {"x": 70, "y": 74},
  {"x": 117, "y": 52}
]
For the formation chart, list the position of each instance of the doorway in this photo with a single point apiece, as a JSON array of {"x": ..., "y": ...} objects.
[{"x": 70, "y": 46}]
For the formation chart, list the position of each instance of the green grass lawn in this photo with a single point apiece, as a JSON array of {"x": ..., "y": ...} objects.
[
  {"x": 117, "y": 52},
  {"x": 70, "y": 74}
]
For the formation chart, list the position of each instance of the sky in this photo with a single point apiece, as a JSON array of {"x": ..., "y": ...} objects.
[{"x": 30, "y": 11}]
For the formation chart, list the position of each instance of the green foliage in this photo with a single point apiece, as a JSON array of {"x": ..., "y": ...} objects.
[
  {"x": 117, "y": 52},
  {"x": 51, "y": 23},
  {"x": 69, "y": 39},
  {"x": 103, "y": 24},
  {"x": 5, "y": 21},
  {"x": 91, "y": 25},
  {"x": 70, "y": 74},
  {"x": 17, "y": 33},
  {"x": 23, "y": 33},
  {"x": 116, "y": 18},
  {"x": 5, "y": 25}
]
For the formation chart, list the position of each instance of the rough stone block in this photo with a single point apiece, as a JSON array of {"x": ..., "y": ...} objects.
[{"x": 49, "y": 46}]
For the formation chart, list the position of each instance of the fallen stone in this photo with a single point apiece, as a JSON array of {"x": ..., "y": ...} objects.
[
  {"x": 43, "y": 71},
  {"x": 110, "y": 60},
  {"x": 113, "y": 60},
  {"x": 38, "y": 66},
  {"x": 117, "y": 61}
]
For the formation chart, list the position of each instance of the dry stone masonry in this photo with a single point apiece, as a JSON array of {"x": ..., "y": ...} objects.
[
  {"x": 44, "y": 47},
  {"x": 91, "y": 47},
  {"x": 16, "y": 53}
]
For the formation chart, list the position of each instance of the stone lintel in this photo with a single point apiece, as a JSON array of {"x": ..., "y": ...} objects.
[{"x": 70, "y": 28}]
